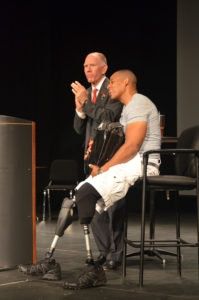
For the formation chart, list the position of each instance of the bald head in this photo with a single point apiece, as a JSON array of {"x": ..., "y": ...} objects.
[
  {"x": 122, "y": 85},
  {"x": 99, "y": 56},
  {"x": 129, "y": 75}
]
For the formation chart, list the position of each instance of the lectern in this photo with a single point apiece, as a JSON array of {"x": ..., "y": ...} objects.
[{"x": 17, "y": 192}]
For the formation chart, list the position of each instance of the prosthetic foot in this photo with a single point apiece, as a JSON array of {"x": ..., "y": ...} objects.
[
  {"x": 53, "y": 273},
  {"x": 42, "y": 267},
  {"x": 91, "y": 276}
]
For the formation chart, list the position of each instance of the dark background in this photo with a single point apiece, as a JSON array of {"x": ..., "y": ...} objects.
[{"x": 43, "y": 46}]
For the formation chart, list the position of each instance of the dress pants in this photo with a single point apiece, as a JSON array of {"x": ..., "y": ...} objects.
[{"x": 108, "y": 231}]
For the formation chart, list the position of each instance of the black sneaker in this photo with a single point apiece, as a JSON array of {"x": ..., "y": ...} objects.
[
  {"x": 91, "y": 276},
  {"x": 41, "y": 267},
  {"x": 54, "y": 273}
]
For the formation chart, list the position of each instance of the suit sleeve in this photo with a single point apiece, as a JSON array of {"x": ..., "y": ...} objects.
[
  {"x": 110, "y": 111},
  {"x": 104, "y": 109},
  {"x": 79, "y": 124}
]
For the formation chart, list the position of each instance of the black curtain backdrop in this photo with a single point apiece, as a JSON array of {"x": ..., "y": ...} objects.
[{"x": 43, "y": 47}]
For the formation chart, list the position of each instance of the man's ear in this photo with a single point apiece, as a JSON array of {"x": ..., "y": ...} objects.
[
  {"x": 105, "y": 68},
  {"x": 126, "y": 81}
]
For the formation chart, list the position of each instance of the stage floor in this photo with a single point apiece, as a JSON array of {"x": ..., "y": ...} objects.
[{"x": 160, "y": 282}]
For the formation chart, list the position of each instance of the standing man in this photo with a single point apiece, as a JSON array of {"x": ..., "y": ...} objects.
[{"x": 93, "y": 105}]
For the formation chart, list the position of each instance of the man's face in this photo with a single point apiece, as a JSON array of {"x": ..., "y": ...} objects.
[
  {"x": 116, "y": 86},
  {"x": 94, "y": 69}
]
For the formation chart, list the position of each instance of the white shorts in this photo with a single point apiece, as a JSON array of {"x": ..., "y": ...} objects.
[{"x": 113, "y": 184}]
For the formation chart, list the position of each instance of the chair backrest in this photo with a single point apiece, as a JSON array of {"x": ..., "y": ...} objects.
[
  {"x": 185, "y": 163},
  {"x": 64, "y": 171}
]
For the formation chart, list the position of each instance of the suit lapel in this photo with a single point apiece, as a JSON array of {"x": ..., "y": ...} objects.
[
  {"x": 89, "y": 93},
  {"x": 103, "y": 93}
]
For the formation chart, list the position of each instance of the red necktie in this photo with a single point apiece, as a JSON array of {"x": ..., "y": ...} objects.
[{"x": 94, "y": 95}]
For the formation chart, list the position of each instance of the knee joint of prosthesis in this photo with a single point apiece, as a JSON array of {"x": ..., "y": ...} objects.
[{"x": 67, "y": 203}]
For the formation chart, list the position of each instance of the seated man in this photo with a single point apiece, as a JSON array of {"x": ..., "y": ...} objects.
[{"x": 110, "y": 183}]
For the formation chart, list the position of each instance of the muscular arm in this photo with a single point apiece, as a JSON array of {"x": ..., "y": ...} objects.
[{"x": 135, "y": 134}]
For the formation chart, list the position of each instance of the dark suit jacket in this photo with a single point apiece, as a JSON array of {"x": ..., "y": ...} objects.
[{"x": 103, "y": 109}]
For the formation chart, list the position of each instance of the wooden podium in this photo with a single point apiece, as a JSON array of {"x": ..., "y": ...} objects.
[{"x": 17, "y": 192}]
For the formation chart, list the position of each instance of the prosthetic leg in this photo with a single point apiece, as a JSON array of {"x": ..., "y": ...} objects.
[
  {"x": 65, "y": 219},
  {"x": 48, "y": 266},
  {"x": 89, "y": 259},
  {"x": 92, "y": 275},
  {"x": 66, "y": 216}
]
